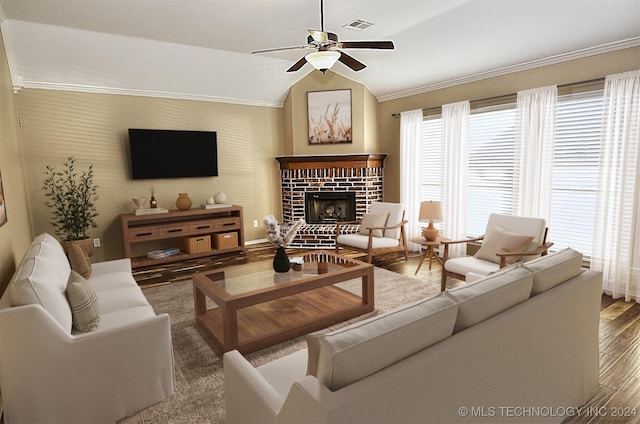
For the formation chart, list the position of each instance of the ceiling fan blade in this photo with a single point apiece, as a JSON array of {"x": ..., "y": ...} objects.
[
  {"x": 277, "y": 49},
  {"x": 352, "y": 63},
  {"x": 299, "y": 64},
  {"x": 388, "y": 45}
]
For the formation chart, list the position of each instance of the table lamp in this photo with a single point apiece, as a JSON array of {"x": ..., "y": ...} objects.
[{"x": 430, "y": 211}]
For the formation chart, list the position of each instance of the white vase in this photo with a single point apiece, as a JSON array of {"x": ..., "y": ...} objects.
[{"x": 220, "y": 197}]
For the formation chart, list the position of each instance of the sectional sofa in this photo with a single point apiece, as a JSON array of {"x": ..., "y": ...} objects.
[{"x": 520, "y": 345}]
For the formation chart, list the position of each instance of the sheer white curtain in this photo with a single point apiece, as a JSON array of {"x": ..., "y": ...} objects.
[
  {"x": 616, "y": 247},
  {"x": 535, "y": 137},
  {"x": 455, "y": 128},
  {"x": 410, "y": 139}
]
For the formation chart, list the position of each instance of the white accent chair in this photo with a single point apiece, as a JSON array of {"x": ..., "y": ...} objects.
[
  {"x": 507, "y": 239},
  {"x": 381, "y": 230}
]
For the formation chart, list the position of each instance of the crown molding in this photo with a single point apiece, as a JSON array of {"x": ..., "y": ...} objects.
[
  {"x": 18, "y": 82},
  {"x": 144, "y": 93},
  {"x": 538, "y": 63}
]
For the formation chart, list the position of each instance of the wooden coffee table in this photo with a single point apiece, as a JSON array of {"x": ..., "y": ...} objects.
[{"x": 256, "y": 307}]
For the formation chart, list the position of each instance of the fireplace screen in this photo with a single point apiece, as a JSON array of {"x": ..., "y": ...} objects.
[{"x": 328, "y": 206}]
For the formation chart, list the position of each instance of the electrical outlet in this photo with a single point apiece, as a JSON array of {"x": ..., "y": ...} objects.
[
  {"x": 255, "y": 223},
  {"x": 96, "y": 242}
]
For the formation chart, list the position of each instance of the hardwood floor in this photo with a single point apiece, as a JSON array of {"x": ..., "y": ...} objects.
[
  {"x": 619, "y": 390},
  {"x": 617, "y": 398}
]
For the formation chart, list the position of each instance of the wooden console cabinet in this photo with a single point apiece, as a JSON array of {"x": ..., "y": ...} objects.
[{"x": 176, "y": 227}]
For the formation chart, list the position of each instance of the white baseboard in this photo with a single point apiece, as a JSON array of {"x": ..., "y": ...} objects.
[{"x": 258, "y": 241}]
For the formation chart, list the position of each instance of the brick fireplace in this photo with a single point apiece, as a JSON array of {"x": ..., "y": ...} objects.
[{"x": 335, "y": 179}]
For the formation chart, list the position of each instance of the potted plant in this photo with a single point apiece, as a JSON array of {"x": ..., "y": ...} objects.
[{"x": 72, "y": 196}]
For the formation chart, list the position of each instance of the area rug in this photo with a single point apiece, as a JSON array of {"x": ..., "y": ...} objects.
[{"x": 199, "y": 396}]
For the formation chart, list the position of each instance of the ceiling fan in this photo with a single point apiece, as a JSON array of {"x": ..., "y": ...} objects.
[{"x": 328, "y": 49}]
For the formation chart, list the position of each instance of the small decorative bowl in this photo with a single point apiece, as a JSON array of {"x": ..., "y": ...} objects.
[{"x": 139, "y": 201}]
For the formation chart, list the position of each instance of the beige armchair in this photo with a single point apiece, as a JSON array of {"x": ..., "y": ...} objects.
[
  {"x": 382, "y": 229},
  {"x": 507, "y": 239}
]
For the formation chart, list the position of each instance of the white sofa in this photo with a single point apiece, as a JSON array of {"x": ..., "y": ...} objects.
[
  {"x": 52, "y": 373},
  {"x": 520, "y": 345}
]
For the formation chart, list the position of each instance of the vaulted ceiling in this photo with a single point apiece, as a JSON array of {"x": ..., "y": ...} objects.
[{"x": 201, "y": 49}]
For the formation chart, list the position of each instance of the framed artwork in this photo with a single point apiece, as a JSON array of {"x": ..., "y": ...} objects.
[
  {"x": 329, "y": 114},
  {"x": 3, "y": 209}
]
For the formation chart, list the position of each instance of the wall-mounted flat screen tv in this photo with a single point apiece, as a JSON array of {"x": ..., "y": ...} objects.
[{"x": 172, "y": 153}]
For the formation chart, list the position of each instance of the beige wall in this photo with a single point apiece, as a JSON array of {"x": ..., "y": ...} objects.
[
  {"x": 564, "y": 73},
  {"x": 363, "y": 116},
  {"x": 93, "y": 129},
  {"x": 15, "y": 235}
]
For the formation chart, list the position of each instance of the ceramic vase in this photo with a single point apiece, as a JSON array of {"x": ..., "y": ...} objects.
[
  {"x": 281, "y": 260},
  {"x": 183, "y": 202},
  {"x": 220, "y": 197}
]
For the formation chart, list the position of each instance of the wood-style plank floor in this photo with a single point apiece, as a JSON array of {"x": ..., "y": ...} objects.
[{"x": 617, "y": 399}]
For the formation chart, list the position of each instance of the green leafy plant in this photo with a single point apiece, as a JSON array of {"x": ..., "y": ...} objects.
[{"x": 72, "y": 198}]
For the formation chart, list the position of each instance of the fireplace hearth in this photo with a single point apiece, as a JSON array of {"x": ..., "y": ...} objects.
[{"x": 322, "y": 207}]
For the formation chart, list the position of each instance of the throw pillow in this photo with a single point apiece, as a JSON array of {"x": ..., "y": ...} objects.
[
  {"x": 79, "y": 260},
  {"x": 85, "y": 309},
  {"x": 373, "y": 220},
  {"x": 499, "y": 240}
]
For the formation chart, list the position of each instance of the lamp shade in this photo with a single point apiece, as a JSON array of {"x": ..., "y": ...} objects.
[
  {"x": 430, "y": 211},
  {"x": 323, "y": 60}
]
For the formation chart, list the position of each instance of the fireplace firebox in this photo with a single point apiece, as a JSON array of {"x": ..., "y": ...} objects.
[{"x": 323, "y": 207}]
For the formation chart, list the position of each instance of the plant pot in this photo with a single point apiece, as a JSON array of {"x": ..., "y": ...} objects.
[
  {"x": 281, "y": 260},
  {"x": 86, "y": 245}
]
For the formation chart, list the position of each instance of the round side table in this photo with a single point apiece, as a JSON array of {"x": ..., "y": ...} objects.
[{"x": 430, "y": 251}]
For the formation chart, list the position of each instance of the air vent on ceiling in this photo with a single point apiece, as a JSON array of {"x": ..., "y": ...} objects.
[{"x": 357, "y": 25}]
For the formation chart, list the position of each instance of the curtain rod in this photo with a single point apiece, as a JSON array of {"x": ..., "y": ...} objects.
[{"x": 506, "y": 96}]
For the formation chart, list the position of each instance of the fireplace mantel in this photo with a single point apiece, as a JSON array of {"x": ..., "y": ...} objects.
[{"x": 359, "y": 160}]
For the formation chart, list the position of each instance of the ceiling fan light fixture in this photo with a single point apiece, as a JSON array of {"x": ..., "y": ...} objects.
[{"x": 323, "y": 60}]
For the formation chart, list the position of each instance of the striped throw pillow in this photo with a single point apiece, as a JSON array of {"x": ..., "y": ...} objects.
[{"x": 85, "y": 309}]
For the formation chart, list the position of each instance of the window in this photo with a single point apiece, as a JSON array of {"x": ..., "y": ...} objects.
[
  {"x": 491, "y": 185},
  {"x": 432, "y": 159},
  {"x": 575, "y": 170},
  {"x": 432, "y": 178}
]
